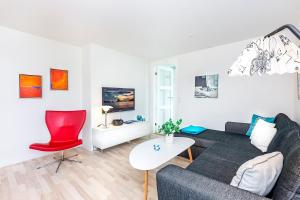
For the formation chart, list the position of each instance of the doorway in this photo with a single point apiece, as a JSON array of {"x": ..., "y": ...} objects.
[{"x": 164, "y": 98}]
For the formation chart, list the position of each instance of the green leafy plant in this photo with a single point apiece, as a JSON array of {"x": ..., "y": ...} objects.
[{"x": 170, "y": 127}]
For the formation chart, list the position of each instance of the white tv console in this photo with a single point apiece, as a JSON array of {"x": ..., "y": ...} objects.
[{"x": 113, "y": 135}]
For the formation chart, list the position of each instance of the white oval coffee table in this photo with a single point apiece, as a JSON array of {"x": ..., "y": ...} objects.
[{"x": 144, "y": 157}]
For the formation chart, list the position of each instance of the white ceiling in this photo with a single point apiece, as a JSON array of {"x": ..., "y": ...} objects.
[{"x": 149, "y": 28}]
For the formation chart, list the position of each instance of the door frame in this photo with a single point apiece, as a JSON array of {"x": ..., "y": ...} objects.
[{"x": 155, "y": 93}]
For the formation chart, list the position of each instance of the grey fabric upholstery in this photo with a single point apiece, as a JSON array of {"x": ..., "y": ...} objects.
[
  {"x": 206, "y": 138},
  {"x": 172, "y": 186},
  {"x": 279, "y": 139},
  {"x": 224, "y": 152},
  {"x": 240, "y": 142},
  {"x": 235, "y": 127},
  {"x": 282, "y": 121},
  {"x": 288, "y": 184},
  {"x": 221, "y": 161},
  {"x": 210, "y": 137}
]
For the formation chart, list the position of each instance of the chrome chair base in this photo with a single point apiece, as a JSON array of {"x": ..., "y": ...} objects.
[{"x": 60, "y": 160}]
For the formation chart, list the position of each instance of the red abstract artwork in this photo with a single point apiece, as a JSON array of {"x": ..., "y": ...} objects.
[
  {"x": 30, "y": 86},
  {"x": 59, "y": 79}
]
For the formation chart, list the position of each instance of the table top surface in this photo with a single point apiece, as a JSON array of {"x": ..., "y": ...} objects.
[{"x": 144, "y": 157}]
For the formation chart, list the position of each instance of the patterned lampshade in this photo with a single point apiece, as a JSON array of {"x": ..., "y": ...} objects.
[{"x": 275, "y": 54}]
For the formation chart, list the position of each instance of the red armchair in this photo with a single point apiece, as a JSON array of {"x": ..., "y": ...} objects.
[{"x": 64, "y": 128}]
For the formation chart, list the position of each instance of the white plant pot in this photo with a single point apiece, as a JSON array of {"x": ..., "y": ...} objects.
[{"x": 169, "y": 139}]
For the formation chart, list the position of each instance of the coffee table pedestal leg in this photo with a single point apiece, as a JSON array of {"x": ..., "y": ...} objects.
[
  {"x": 190, "y": 154},
  {"x": 146, "y": 185}
]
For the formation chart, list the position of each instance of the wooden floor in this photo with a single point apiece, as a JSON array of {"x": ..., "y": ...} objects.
[{"x": 102, "y": 175}]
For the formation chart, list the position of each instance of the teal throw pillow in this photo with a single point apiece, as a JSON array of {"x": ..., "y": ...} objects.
[
  {"x": 193, "y": 130},
  {"x": 255, "y": 118}
]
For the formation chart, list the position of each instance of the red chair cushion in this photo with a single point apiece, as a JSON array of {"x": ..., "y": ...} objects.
[
  {"x": 55, "y": 146},
  {"x": 65, "y": 125},
  {"x": 64, "y": 128}
]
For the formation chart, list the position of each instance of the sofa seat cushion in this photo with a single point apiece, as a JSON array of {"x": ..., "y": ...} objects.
[
  {"x": 215, "y": 168},
  {"x": 221, "y": 161},
  {"x": 240, "y": 142},
  {"x": 206, "y": 138}
]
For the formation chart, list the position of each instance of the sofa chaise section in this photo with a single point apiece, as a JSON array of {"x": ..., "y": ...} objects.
[
  {"x": 234, "y": 136},
  {"x": 210, "y": 174}
]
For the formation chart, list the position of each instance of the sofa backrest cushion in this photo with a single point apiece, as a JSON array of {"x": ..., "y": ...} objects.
[
  {"x": 284, "y": 125},
  {"x": 282, "y": 121},
  {"x": 237, "y": 127},
  {"x": 288, "y": 184},
  {"x": 286, "y": 128},
  {"x": 287, "y": 141},
  {"x": 279, "y": 138}
]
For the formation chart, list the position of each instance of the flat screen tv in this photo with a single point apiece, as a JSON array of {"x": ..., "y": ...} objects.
[{"x": 121, "y": 99}]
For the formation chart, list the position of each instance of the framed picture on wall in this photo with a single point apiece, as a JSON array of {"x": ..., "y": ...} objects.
[
  {"x": 30, "y": 86},
  {"x": 206, "y": 86},
  {"x": 59, "y": 79}
]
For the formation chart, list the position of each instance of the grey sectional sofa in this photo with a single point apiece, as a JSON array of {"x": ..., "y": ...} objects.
[{"x": 218, "y": 155}]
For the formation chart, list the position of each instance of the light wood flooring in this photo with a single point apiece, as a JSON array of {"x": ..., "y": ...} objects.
[{"x": 102, "y": 175}]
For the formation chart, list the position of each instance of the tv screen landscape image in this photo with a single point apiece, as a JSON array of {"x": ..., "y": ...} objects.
[{"x": 121, "y": 99}]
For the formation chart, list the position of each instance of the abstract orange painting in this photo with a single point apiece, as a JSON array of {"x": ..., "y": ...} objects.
[
  {"x": 59, "y": 79},
  {"x": 30, "y": 86}
]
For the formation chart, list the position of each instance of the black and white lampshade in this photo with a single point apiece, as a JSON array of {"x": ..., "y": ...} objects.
[{"x": 272, "y": 55}]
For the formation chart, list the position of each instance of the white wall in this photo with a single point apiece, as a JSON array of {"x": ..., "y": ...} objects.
[
  {"x": 92, "y": 67},
  {"x": 109, "y": 68},
  {"x": 22, "y": 120},
  {"x": 86, "y": 95},
  {"x": 239, "y": 97}
]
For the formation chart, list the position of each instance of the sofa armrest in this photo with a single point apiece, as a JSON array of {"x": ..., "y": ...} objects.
[
  {"x": 175, "y": 183},
  {"x": 237, "y": 127}
]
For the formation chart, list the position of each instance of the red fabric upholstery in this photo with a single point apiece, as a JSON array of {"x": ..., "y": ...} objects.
[{"x": 64, "y": 128}]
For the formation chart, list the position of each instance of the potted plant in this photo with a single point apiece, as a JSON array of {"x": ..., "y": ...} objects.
[{"x": 169, "y": 128}]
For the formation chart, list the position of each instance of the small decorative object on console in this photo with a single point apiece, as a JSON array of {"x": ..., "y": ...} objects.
[
  {"x": 140, "y": 118},
  {"x": 169, "y": 128},
  {"x": 117, "y": 122},
  {"x": 130, "y": 121}
]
